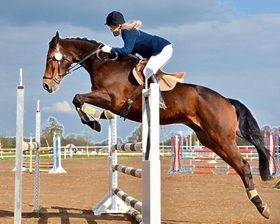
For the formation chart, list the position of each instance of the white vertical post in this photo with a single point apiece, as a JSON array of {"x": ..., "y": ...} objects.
[
  {"x": 191, "y": 140},
  {"x": 1, "y": 151},
  {"x": 37, "y": 160},
  {"x": 277, "y": 155},
  {"x": 30, "y": 157},
  {"x": 65, "y": 151},
  {"x": 57, "y": 167},
  {"x": 113, "y": 160},
  {"x": 19, "y": 149},
  {"x": 57, "y": 150},
  {"x": 87, "y": 151},
  {"x": 151, "y": 187},
  {"x": 20, "y": 77},
  {"x": 271, "y": 147}
]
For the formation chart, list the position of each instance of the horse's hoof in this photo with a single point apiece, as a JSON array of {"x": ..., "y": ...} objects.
[
  {"x": 95, "y": 125},
  {"x": 76, "y": 101},
  {"x": 266, "y": 211}
]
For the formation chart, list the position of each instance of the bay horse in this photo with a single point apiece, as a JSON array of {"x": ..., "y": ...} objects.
[{"x": 213, "y": 117}]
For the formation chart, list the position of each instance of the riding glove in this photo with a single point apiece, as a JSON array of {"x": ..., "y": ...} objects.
[{"x": 106, "y": 49}]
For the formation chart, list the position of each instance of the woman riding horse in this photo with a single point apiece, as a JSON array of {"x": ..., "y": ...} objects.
[{"x": 157, "y": 49}]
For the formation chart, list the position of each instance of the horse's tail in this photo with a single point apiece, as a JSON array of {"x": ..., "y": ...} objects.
[{"x": 250, "y": 130}]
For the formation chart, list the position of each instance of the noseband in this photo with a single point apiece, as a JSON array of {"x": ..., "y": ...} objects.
[{"x": 59, "y": 57}]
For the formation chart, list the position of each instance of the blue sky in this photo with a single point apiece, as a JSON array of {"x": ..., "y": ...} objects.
[
  {"x": 254, "y": 6},
  {"x": 229, "y": 46}
]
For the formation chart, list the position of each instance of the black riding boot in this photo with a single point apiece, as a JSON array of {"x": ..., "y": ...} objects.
[{"x": 153, "y": 79}]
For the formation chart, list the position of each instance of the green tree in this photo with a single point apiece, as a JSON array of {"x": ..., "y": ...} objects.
[
  {"x": 52, "y": 126},
  {"x": 8, "y": 142},
  {"x": 136, "y": 135},
  {"x": 77, "y": 140}
]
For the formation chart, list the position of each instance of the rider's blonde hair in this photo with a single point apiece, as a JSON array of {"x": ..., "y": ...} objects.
[{"x": 134, "y": 25}]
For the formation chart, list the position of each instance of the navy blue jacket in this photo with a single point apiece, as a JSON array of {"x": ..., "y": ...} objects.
[{"x": 144, "y": 44}]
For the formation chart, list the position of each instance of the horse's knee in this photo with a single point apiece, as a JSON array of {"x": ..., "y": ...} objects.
[{"x": 77, "y": 101}]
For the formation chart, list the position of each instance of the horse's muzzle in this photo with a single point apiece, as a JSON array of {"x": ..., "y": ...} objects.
[{"x": 50, "y": 85}]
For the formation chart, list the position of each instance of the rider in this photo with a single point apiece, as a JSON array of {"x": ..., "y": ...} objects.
[{"x": 156, "y": 49}]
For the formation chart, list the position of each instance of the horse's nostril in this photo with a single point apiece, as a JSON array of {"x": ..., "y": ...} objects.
[{"x": 46, "y": 87}]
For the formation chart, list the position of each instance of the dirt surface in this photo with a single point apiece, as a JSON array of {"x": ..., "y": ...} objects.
[{"x": 69, "y": 198}]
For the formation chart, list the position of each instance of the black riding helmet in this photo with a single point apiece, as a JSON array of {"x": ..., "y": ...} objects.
[{"x": 114, "y": 18}]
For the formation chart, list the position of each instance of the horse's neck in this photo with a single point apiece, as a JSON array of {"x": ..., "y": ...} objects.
[
  {"x": 117, "y": 72},
  {"x": 79, "y": 48}
]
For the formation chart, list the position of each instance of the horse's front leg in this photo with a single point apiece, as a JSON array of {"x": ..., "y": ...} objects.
[{"x": 98, "y": 98}]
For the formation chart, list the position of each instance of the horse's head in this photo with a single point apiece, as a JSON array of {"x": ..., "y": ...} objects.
[{"x": 57, "y": 65}]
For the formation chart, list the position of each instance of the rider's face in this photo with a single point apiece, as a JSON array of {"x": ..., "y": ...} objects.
[{"x": 116, "y": 30}]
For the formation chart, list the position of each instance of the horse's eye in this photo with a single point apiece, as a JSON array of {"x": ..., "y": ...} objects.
[{"x": 58, "y": 56}]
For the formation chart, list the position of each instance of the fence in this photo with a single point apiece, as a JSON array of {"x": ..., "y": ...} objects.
[{"x": 201, "y": 160}]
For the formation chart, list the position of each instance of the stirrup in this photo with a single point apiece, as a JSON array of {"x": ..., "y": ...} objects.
[{"x": 153, "y": 79}]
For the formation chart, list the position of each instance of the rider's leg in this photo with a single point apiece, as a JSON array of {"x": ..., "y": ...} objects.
[
  {"x": 154, "y": 64},
  {"x": 153, "y": 79}
]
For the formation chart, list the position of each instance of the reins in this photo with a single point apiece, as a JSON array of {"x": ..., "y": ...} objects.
[{"x": 74, "y": 67}]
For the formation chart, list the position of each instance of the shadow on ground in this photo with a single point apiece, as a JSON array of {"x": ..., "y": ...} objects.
[{"x": 65, "y": 214}]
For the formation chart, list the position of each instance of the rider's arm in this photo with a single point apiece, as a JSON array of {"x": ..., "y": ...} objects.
[{"x": 129, "y": 39}]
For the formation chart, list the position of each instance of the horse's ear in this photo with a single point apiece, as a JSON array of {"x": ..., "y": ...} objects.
[{"x": 56, "y": 38}]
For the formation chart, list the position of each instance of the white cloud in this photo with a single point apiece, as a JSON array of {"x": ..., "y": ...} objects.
[
  {"x": 60, "y": 107},
  {"x": 240, "y": 44}
]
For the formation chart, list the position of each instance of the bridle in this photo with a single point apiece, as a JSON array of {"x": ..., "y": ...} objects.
[{"x": 58, "y": 57}]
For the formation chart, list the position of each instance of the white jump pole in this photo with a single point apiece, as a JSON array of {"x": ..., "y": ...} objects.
[
  {"x": 20, "y": 147},
  {"x": 151, "y": 187},
  {"x": 272, "y": 147},
  {"x": 37, "y": 160},
  {"x": 19, "y": 150}
]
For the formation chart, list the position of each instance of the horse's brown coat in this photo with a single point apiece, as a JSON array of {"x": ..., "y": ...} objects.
[{"x": 208, "y": 113}]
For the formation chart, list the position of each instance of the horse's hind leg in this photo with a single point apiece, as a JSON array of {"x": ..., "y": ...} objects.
[
  {"x": 231, "y": 155},
  {"x": 229, "y": 152}
]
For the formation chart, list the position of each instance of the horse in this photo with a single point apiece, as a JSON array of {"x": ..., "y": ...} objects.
[{"x": 213, "y": 117}]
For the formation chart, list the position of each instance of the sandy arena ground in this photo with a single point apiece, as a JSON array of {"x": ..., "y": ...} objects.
[{"x": 69, "y": 198}]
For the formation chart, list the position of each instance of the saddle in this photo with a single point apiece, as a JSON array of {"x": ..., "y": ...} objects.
[{"x": 166, "y": 81}]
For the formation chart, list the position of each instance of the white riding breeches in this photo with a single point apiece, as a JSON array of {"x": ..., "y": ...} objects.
[{"x": 158, "y": 61}]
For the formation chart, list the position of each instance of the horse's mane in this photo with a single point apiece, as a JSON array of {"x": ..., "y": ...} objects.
[
  {"x": 94, "y": 42},
  {"x": 84, "y": 39}
]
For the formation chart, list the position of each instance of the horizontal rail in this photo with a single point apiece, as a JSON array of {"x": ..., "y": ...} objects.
[
  {"x": 128, "y": 147},
  {"x": 206, "y": 150},
  {"x": 128, "y": 170},
  {"x": 214, "y": 167},
  {"x": 135, "y": 214},
  {"x": 30, "y": 146},
  {"x": 128, "y": 199}
]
